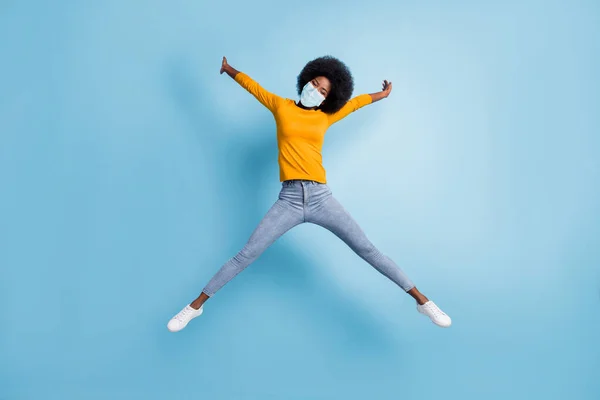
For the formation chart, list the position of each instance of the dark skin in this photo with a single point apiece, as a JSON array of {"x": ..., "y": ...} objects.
[{"x": 323, "y": 85}]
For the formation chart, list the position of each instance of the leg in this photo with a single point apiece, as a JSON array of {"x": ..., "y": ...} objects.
[
  {"x": 332, "y": 216},
  {"x": 278, "y": 220}
]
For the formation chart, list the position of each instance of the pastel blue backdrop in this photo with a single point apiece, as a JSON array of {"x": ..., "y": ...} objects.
[{"x": 131, "y": 170}]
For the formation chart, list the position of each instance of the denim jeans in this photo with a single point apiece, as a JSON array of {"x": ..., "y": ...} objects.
[{"x": 303, "y": 201}]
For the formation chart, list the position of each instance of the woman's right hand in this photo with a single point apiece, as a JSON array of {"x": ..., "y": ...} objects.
[{"x": 224, "y": 65}]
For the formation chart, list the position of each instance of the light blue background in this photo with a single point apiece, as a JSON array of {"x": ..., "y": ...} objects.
[{"x": 131, "y": 170}]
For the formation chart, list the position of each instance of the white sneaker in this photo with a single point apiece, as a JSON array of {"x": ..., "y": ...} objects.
[
  {"x": 183, "y": 317},
  {"x": 436, "y": 315}
]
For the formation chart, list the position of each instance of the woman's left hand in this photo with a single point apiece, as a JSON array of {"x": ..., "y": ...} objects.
[
  {"x": 385, "y": 92},
  {"x": 387, "y": 88}
]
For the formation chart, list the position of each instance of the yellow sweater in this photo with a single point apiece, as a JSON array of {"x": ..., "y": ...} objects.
[{"x": 300, "y": 132}]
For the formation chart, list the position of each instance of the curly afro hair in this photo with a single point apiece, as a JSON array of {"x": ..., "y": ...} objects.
[{"x": 338, "y": 74}]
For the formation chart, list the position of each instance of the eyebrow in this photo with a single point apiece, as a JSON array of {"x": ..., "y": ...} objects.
[{"x": 315, "y": 79}]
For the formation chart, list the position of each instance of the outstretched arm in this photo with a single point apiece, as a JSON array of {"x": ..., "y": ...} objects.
[
  {"x": 266, "y": 98},
  {"x": 385, "y": 92},
  {"x": 361, "y": 101},
  {"x": 225, "y": 67}
]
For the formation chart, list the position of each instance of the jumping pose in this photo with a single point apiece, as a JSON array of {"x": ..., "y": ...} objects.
[{"x": 325, "y": 88}]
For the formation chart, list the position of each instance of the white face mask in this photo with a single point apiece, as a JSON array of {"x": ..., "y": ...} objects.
[{"x": 310, "y": 96}]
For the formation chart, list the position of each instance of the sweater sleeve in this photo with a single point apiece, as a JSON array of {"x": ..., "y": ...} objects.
[
  {"x": 351, "y": 106},
  {"x": 266, "y": 98}
]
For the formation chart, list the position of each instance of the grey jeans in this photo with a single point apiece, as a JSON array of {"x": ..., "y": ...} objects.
[{"x": 303, "y": 201}]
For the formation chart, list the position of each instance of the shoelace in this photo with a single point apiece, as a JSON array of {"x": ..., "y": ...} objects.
[
  {"x": 182, "y": 314},
  {"x": 435, "y": 310}
]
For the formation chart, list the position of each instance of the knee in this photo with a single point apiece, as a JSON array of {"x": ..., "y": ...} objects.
[
  {"x": 368, "y": 251},
  {"x": 248, "y": 253}
]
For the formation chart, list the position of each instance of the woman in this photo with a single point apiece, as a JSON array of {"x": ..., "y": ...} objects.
[{"x": 325, "y": 87}]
